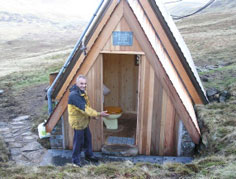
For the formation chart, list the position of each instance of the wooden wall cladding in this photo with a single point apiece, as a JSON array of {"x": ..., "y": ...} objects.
[
  {"x": 68, "y": 132},
  {"x": 120, "y": 75},
  {"x": 145, "y": 108},
  {"x": 157, "y": 129},
  {"x": 94, "y": 90},
  {"x": 122, "y": 26}
]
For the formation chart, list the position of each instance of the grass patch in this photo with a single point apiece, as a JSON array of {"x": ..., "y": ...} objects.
[
  {"x": 21, "y": 80},
  {"x": 4, "y": 151},
  {"x": 220, "y": 78},
  {"x": 38, "y": 75},
  {"x": 106, "y": 170}
]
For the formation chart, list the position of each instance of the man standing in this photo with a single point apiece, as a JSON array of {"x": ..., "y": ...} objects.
[{"x": 79, "y": 111}]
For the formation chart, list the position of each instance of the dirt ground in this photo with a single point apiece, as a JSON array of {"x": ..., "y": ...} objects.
[{"x": 29, "y": 101}]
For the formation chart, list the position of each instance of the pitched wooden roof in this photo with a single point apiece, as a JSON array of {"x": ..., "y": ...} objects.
[{"x": 158, "y": 27}]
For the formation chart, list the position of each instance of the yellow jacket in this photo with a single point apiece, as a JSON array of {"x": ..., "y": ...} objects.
[{"x": 79, "y": 109}]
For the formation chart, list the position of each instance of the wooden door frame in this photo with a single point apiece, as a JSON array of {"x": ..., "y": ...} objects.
[{"x": 141, "y": 54}]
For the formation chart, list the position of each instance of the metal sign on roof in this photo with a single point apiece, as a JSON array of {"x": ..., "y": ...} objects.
[{"x": 122, "y": 38}]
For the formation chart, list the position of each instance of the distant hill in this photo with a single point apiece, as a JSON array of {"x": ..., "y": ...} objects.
[
  {"x": 9, "y": 17},
  {"x": 28, "y": 34},
  {"x": 223, "y": 4}
]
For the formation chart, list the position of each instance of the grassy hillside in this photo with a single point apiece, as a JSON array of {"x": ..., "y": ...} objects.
[{"x": 211, "y": 37}]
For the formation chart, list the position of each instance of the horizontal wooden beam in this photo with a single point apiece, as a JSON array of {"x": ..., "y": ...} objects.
[{"x": 123, "y": 52}]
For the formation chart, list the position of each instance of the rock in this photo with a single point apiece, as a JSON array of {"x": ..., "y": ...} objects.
[
  {"x": 16, "y": 127},
  {"x": 21, "y": 118},
  {"x": 8, "y": 140},
  {"x": 26, "y": 133},
  {"x": 224, "y": 96},
  {"x": 213, "y": 95},
  {"x": 15, "y": 145},
  {"x": 21, "y": 160},
  {"x": 34, "y": 156},
  {"x": 15, "y": 151},
  {"x": 4, "y": 129},
  {"x": 17, "y": 123},
  {"x": 28, "y": 138},
  {"x": 1, "y": 92},
  {"x": 31, "y": 147},
  {"x": 211, "y": 92},
  {"x": 3, "y": 124},
  {"x": 120, "y": 150},
  {"x": 204, "y": 78},
  {"x": 199, "y": 69}
]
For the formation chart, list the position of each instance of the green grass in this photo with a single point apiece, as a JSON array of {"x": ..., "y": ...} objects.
[
  {"x": 29, "y": 78},
  {"x": 220, "y": 78},
  {"x": 4, "y": 151},
  {"x": 38, "y": 75}
]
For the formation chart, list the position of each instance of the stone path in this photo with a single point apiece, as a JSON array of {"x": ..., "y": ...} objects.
[{"x": 23, "y": 145}]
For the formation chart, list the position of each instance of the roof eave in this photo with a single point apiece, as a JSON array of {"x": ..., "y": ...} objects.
[
  {"x": 76, "y": 55},
  {"x": 179, "y": 52}
]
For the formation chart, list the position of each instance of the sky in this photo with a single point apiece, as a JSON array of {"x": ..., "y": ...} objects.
[{"x": 59, "y": 8}]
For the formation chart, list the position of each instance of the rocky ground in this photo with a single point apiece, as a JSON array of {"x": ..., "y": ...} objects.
[
  {"x": 23, "y": 145},
  {"x": 19, "y": 112}
]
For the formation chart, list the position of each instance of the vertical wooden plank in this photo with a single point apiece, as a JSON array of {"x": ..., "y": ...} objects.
[
  {"x": 111, "y": 79},
  {"x": 139, "y": 108},
  {"x": 150, "y": 108},
  {"x": 68, "y": 132},
  {"x": 94, "y": 80},
  {"x": 176, "y": 133},
  {"x": 136, "y": 74},
  {"x": 65, "y": 128},
  {"x": 156, "y": 119},
  {"x": 169, "y": 149},
  {"x": 127, "y": 83},
  {"x": 145, "y": 104},
  {"x": 162, "y": 126},
  {"x": 146, "y": 92}
]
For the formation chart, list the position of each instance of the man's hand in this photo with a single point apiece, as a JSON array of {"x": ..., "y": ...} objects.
[{"x": 104, "y": 114}]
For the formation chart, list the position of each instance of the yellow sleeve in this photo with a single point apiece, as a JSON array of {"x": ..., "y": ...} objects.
[{"x": 91, "y": 112}]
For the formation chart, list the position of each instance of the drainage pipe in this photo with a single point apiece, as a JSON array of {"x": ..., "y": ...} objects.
[{"x": 49, "y": 92}]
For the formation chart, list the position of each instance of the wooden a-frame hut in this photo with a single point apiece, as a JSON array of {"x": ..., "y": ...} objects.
[{"x": 135, "y": 49}]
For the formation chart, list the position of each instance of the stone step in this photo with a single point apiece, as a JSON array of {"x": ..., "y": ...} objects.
[{"x": 62, "y": 157}]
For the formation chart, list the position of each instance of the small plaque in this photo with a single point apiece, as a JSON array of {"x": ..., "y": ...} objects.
[{"x": 122, "y": 38}]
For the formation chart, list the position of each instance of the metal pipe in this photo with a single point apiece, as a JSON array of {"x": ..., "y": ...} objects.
[{"x": 49, "y": 92}]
